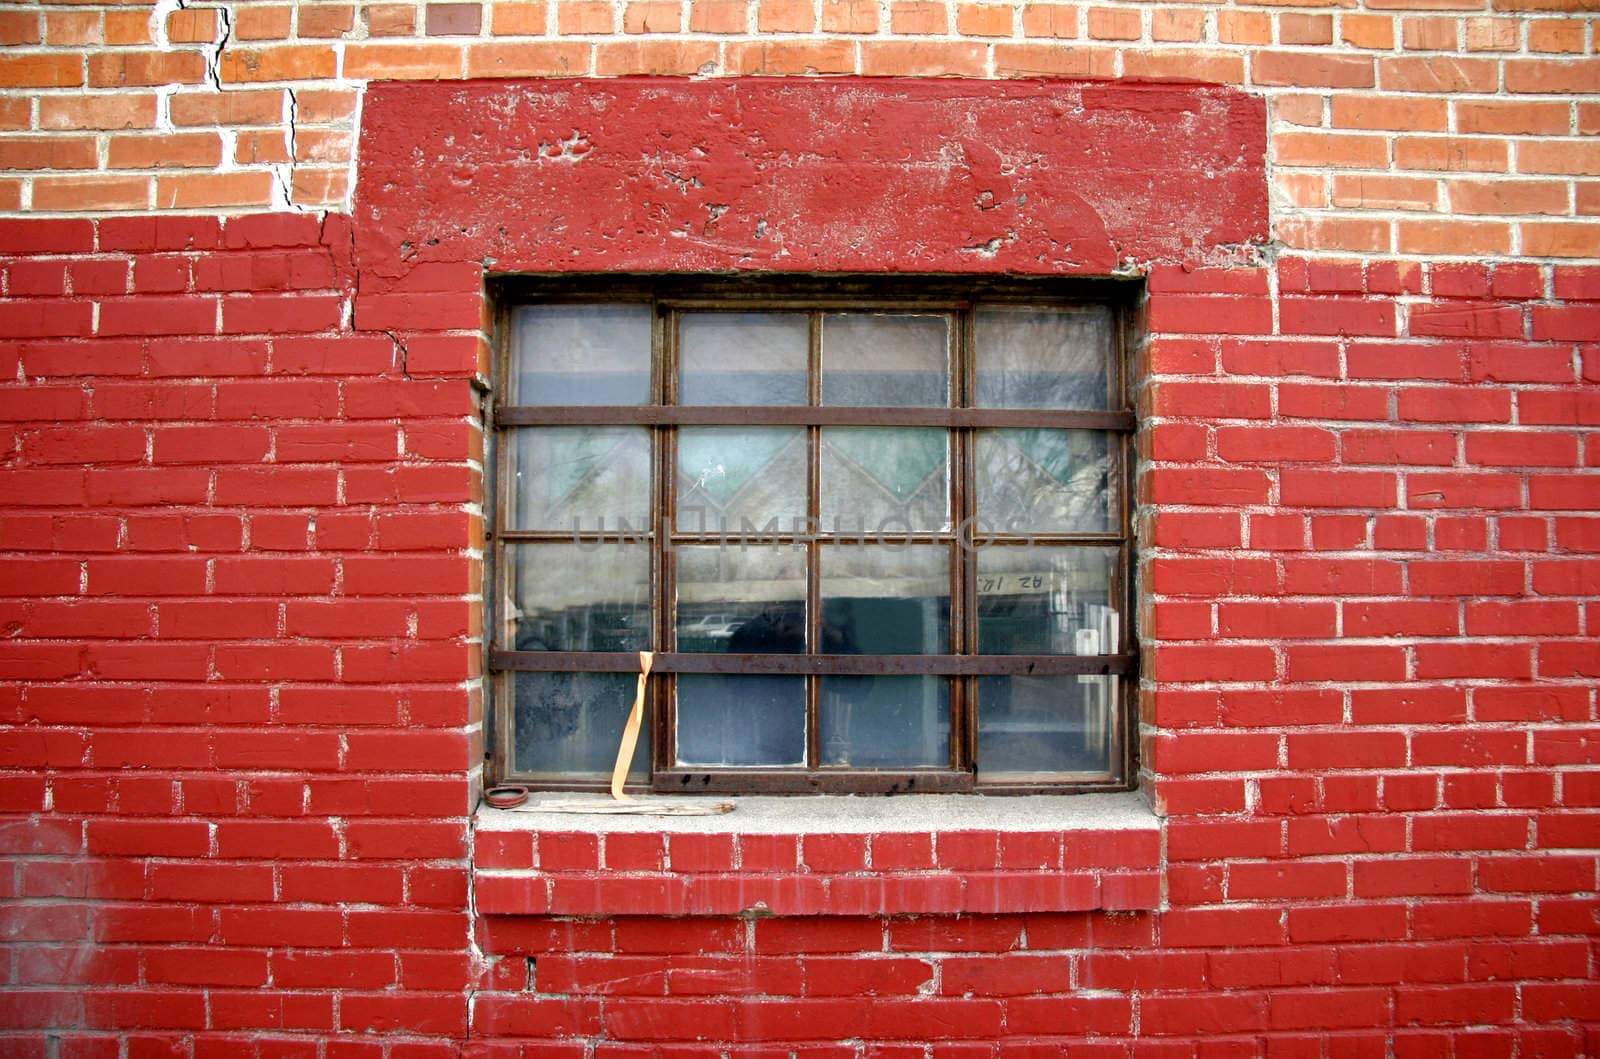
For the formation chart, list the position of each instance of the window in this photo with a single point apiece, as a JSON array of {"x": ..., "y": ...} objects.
[{"x": 877, "y": 532}]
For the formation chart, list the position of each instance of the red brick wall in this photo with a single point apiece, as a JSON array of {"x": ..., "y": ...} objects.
[{"x": 239, "y": 538}]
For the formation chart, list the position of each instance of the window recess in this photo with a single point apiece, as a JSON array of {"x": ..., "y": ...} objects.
[{"x": 876, "y": 531}]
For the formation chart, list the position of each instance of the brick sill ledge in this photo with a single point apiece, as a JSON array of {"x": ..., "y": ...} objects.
[{"x": 921, "y": 854}]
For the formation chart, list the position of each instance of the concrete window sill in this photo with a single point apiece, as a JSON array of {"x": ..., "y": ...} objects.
[{"x": 922, "y": 854}]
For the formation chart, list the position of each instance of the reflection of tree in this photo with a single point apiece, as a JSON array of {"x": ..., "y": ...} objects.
[{"x": 1044, "y": 480}]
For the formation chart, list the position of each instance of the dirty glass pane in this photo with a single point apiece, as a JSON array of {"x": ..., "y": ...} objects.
[
  {"x": 885, "y": 722},
  {"x": 1044, "y": 358},
  {"x": 580, "y": 354},
  {"x": 585, "y": 479},
  {"x": 1040, "y": 727},
  {"x": 885, "y": 360},
  {"x": 892, "y": 600},
  {"x": 1043, "y": 481},
  {"x": 578, "y": 597},
  {"x": 730, "y": 477},
  {"x": 741, "y": 720},
  {"x": 741, "y": 598},
  {"x": 1046, "y": 601},
  {"x": 886, "y": 481},
  {"x": 743, "y": 358},
  {"x": 569, "y": 724}
]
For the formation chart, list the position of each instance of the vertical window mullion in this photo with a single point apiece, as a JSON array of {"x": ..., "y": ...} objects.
[{"x": 814, "y": 517}]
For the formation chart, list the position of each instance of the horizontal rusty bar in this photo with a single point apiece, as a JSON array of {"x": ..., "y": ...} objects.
[
  {"x": 801, "y": 665},
  {"x": 801, "y": 415}
]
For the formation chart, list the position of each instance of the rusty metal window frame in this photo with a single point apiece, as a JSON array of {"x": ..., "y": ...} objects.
[{"x": 959, "y": 297}]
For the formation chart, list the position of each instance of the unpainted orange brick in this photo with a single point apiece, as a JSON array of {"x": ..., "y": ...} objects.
[
  {"x": 198, "y": 25},
  {"x": 1115, "y": 23},
  {"x": 984, "y": 20},
  {"x": 10, "y": 194},
  {"x": 1561, "y": 239},
  {"x": 584, "y": 16},
  {"x": 74, "y": 194},
  {"x": 1508, "y": 197},
  {"x": 291, "y": 62},
  {"x": 15, "y": 112},
  {"x": 792, "y": 57},
  {"x": 1305, "y": 29},
  {"x": 1059, "y": 21},
  {"x": 918, "y": 17},
  {"x": 261, "y": 22},
  {"x": 333, "y": 146},
  {"x": 1560, "y": 157},
  {"x": 321, "y": 21},
  {"x": 1052, "y": 60},
  {"x": 453, "y": 19},
  {"x": 1588, "y": 119},
  {"x": 528, "y": 59},
  {"x": 1184, "y": 64},
  {"x": 1454, "y": 238},
  {"x": 1370, "y": 191},
  {"x": 1588, "y": 198},
  {"x": 20, "y": 27},
  {"x": 1331, "y": 150},
  {"x": 1456, "y": 154},
  {"x": 1563, "y": 76},
  {"x": 181, "y": 191},
  {"x": 50, "y": 70},
  {"x": 411, "y": 62},
  {"x": 1244, "y": 27},
  {"x": 259, "y": 106},
  {"x": 652, "y": 16},
  {"x": 1428, "y": 5},
  {"x": 323, "y": 105},
  {"x": 1512, "y": 117},
  {"x": 517, "y": 20},
  {"x": 49, "y": 152},
  {"x": 260, "y": 147},
  {"x": 1176, "y": 24},
  {"x": 1367, "y": 31},
  {"x": 1445, "y": 74},
  {"x": 664, "y": 57},
  {"x": 719, "y": 16},
  {"x": 786, "y": 16},
  {"x": 127, "y": 28},
  {"x": 390, "y": 20},
  {"x": 849, "y": 16},
  {"x": 1296, "y": 108},
  {"x": 922, "y": 58},
  {"x": 1302, "y": 190},
  {"x": 1430, "y": 34},
  {"x": 1493, "y": 34},
  {"x": 119, "y": 110},
  {"x": 65, "y": 28},
  {"x": 1308, "y": 69},
  {"x": 318, "y": 187},
  {"x": 121, "y": 69},
  {"x": 1556, "y": 35},
  {"x": 1401, "y": 113},
  {"x": 176, "y": 150},
  {"x": 1356, "y": 235}
]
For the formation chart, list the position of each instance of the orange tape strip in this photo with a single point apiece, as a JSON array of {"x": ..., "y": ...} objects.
[{"x": 630, "y": 731}]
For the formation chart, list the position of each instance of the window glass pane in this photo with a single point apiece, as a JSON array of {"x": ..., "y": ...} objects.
[
  {"x": 743, "y": 358},
  {"x": 741, "y": 598},
  {"x": 885, "y": 600},
  {"x": 1036, "y": 358},
  {"x": 1036, "y": 727},
  {"x": 885, "y": 722},
  {"x": 585, "y": 479},
  {"x": 885, "y": 360},
  {"x": 571, "y": 597},
  {"x": 1043, "y": 481},
  {"x": 885, "y": 481},
  {"x": 732, "y": 476},
  {"x": 570, "y": 724},
  {"x": 741, "y": 720},
  {"x": 580, "y": 354},
  {"x": 1046, "y": 601}
]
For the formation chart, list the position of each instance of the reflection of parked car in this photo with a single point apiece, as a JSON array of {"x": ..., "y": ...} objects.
[{"x": 712, "y": 626}]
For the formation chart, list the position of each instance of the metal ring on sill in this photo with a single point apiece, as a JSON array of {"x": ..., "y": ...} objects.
[{"x": 505, "y": 797}]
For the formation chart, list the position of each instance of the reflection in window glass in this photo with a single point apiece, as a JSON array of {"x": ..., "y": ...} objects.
[
  {"x": 571, "y": 723},
  {"x": 573, "y": 597},
  {"x": 1039, "y": 727},
  {"x": 583, "y": 478},
  {"x": 733, "y": 477},
  {"x": 885, "y": 481},
  {"x": 1046, "y": 601},
  {"x": 580, "y": 354},
  {"x": 1043, "y": 481},
  {"x": 1037, "y": 358},
  {"x": 742, "y": 599},
  {"x": 885, "y": 722},
  {"x": 883, "y": 360},
  {"x": 741, "y": 720},
  {"x": 743, "y": 358}
]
